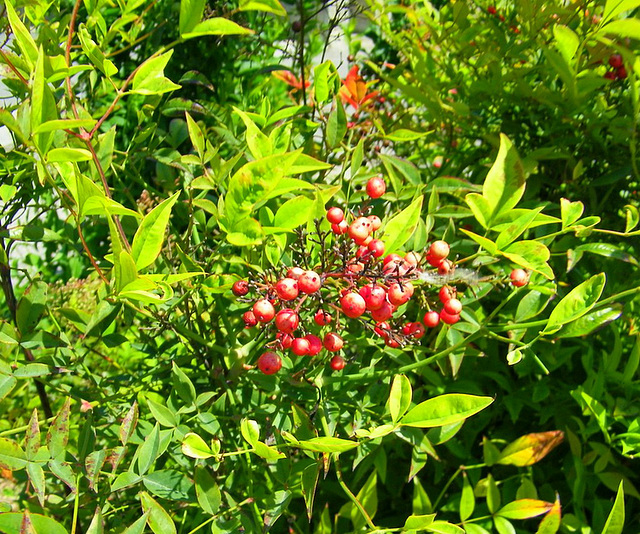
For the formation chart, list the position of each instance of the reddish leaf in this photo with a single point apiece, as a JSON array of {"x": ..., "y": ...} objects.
[{"x": 530, "y": 449}]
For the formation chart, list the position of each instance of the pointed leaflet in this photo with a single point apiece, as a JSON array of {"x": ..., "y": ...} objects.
[
  {"x": 191, "y": 12},
  {"x": 271, "y": 6},
  {"x": 195, "y": 447},
  {"x": 310, "y": 476},
  {"x": 368, "y": 497},
  {"x": 159, "y": 520},
  {"x": 93, "y": 465},
  {"x": 467, "y": 499},
  {"x": 58, "y": 434},
  {"x": 207, "y": 491},
  {"x": 150, "y": 79},
  {"x": 400, "y": 397},
  {"x": 148, "y": 450},
  {"x": 147, "y": 243},
  {"x": 615, "y": 521},
  {"x": 11, "y": 455},
  {"x": 22, "y": 35},
  {"x": 43, "y": 105},
  {"x": 524, "y": 509},
  {"x": 197, "y": 137},
  {"x": 32, "y": 438},
  {"x": 336, "y": 124},
  {"x": 504, "y": 185},
  {"x": 97, "y": 523},
  {"x": 129, "y": 423},
  {"x": 259, "y": 144},
  {"x": 445, "y": 410},
  {"x": 551, "y": 522},
  {"x": 216, "y": 26},
  {"x": 182, "y": 384},
  {"x": 401, "y": 227},
  {"x": 138, "y": 526},
  {"x": 531, "y": 448}
]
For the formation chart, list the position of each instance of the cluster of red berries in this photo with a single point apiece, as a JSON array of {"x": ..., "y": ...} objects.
[
  {"x": 493, "y": 11},
  {"x": 618, "y": 72},
  {"x": 354, "y": 280}
]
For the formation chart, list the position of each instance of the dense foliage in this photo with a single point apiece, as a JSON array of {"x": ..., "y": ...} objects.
[{"x": 172, "y": 163}]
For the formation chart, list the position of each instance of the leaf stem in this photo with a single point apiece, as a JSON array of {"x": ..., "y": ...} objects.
[{"x": 351, "y": 496}]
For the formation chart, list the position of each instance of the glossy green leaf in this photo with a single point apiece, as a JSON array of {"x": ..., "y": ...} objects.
[
  {"x": 270, "y": 6},
  {"x": 327, "y": 444},
  {"x": 7, "y": 383},
  {"x": 97, "y": 522},
  {"x": 480, "y": 208},
  {"x": 612, "y": 8},
  {"x": 493, "y": 494},
  {"x": 56, "y": 155},
  {"x": 149, "y": 449},
  {"x": 207, "y": 491},
  {"x": 419, "y": 522},
  {"x": 531, "y": 255},
  {"x": 524, "y": 509},
  {"x": 615, "y": 520},
  {"x": 197, "y": 137},
  {"x": 336, "y": 124},
  {"x": 632, "y": 217},
  {"x": 216, "y": 26},
  {"x": 159, "y": 520},
  {"x": 64, "y": 124},
  {"x": 484, "y": 242},
  {"x": 182, "y": 385},
  {"x": 444, "y": 527},
  {"x": 162, "y": 414},
  {"x": 62, "y": 470},
  {"x": 149, "y": 238},
  {"x": 503, "y": 525},
  {"x": 567, "y": 41},
  {"x": 623, "y": 28},
  {"x": 259, "y": 144},
  {"x": 169, "y": 484},
  {"x": 294, "y": 212},
  {"x": 400, "y": 228},
  {"x": 321, "y": 75},
  {"x": 590, "y": 321},
  {"x": 191, "y": 12},
  {"x": 407, "y": 169},
  {"x": 403, "y": 134},
  {"x": 195, "y": 447},
  {"x": 570, "y": 212},
  {"x": 467, "y": 499},
  {"x": 22, "y": 35},
  {"x": 368, "y": 497},
  {"x": 303, "y": 163},
  {"x": 31, "y": 307},
  {"x": 400, "y": 397},
  {"x": 309, "y": 481},
  {"x": 445, "y": 410},
  {"x": 265, "y": 451},
  {"x": 58, "y": 434},
  {"x": 138, "y": 526},
  {"x": 12, "y": 456},
  {"x": 95, "y": 54},
  {"x": 516, "y": 228},
  {"x": 250, "y": 431},
  {"x": 578, "y": 302},
  {"x": 150, "y": 79}
]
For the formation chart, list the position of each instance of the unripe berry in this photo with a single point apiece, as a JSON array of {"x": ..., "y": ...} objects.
[
  {"x": 376, "y": 223},
  {"x": 315, "y": 344},
  {"x": 300, "y": 346},
  {"x": 431, "y": 319},
  {"x": 335, "y": 215},
  {"x": 519, "y": 277},
  {"x": 439, "y": 250},
  {"x": 360, "y": 229},
  {"x": 374, "y": 296},
  {"x": 355, "y": 268},
  {"x": 269, "y": 363},
  {"x": 446, "y": 294},
  {"x": 332, "y": 342},
  {"x": 294, "y": 273},
  {"x": 398, "y": 294},
  {"x": 249, "y": 319},
  {"x": 287, "y": 289},
  {"x": 287, "y": 320},
  {"x": 353, "y": 305},
  {"x": 383, "y": 313},
  {"x": 322, "y": 318},
  {"x": 240, "y": 288},
  {"x": 264, "y": 310},
  {"x": 337, "y": 363},
  {"x": 341, "y": 228},
  {"x": 449, "y": 318},
  {"x": 309, "y": 282},
  {"x": 376, "y": 247},
  {"x": 376, "y": 187},
  {"x": 492, "y": 10},
  {"x": 453, "y": 307}
]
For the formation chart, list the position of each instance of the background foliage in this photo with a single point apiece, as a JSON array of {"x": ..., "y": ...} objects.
[{"x": 163, "y": 150}]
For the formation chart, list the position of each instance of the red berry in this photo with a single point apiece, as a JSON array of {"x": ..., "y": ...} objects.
[
  {"x": 376, "y": 247},
  {"x": 269, "y": 363},
  {"x": 383, "y": 313},
  {"x": 363, "y": 251},
  {"x": 249, "y": 319},
  {"x": 376, "y": 187},
  {"x": 382, "y": 329},
  {"x": 300, "y": 346},
  {"x": 364, "y": 242},
  {"x": 434, "y": 262},
  {"x": 392, "y": 342},
  {"x": 264, "y": 310},
  {"x": 285, "y": 340},
  {"x": 398, "y": 294},
  {"x": 335, "y": 215},
  {"x": 406, "y": 329},
  {"x": 287, "y": 289},
  {"x": 412, "y": 259},
  {"x": 392, "y": 257},
  {"x": 519, "y": 277},
  {"x": 396, "y": 267},
  {"x": 337, "y": 363},
  {"x": 492, "y": 10},
  {"x": 610, "y": 75},
  {"x": 360, "y": 229},
  {"x": 453, "y": 307},
  {"x": 444, "y": 267},
  {"x": 376, "y": 223},
  {"x": 309, "y": 282},
  {"x": 353, "y": 305},
  {"x": 355, "y": 268},
  {"x": 332, "y": 342},
  {"x": 449, "y": 318},
  {"x": 315, "y": 344},
  {"x": 439, "y": 250},
  {"x": 446, "y": 294},
  {"x": 417, "y": 330},
  {"x": 374, "y": 296},
  {"x": 615, "y": 60},
  {"x": 294, "y": 273},
  {"x": 240, "y": 288},
  {"x": 340, "y": 228},
  {"x": 287, "y": 320},
  {"x": 431, "y": 319},
  {"x": 621, "y": 73},
  {"x": 322, "y": 318}
]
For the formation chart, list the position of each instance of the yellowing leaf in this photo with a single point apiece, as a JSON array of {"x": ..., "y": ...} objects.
[{"x": 530, "y": 449}]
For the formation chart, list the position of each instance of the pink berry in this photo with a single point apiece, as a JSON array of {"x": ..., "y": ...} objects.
[
  {"x": 376, "y": 187},
  {"x": 287, "y": 289},
  {"x": 431, "y": 319},
  {"x": 519, "y": 277},
  {"x": 398, "y": 294},
  {"x": 374, "y": 296},
  {"x": 376, "y": 223},
  {"x": 269, "y": 363},
  {"x": 337, "y": 363},
  {"x": 264, "y": 310},
  {"x": 332, "y": 342},
  {"x": 353, "y": 305},
  {"x": 439, "y": 250},
  {"x": 287, "y": 320},
  {"x": 335, "y": 215},
  {"x": 391, "y": 258},
  {"x": 294, "y": 273},
  {"x": 453, "y": 307},
  {"x": 360, "y": 229},
  {"x": 341, "y": 228},
  {"x": 384, "y": 313},
  {"x": 309, "y": 282},
  {"x": 446, "y": 294}
]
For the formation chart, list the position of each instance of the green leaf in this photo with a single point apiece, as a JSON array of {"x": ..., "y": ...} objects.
[
  {"x": 304, "y": 163},
  {"x": 615, "y": 521},
  {"x": 632, "y": 217},
  {"x": 265, "y": 451},
  {"x": 400, "y": 228},
  {"x": 551, "y": 522},
  {"x": 11, "y": 455},
  {"x": 93, "y": 465},
  {"x": 467, "y": 499},
  {"x": 321, "y": 75},
  {"x": 8, "y": 120},
  {"x": 270, "y": 6},
  {"x": 368, "y": 497},
  {"x": 612, "y": 8},
  {"x": 402, "y": 134},
  {"x": 195, "y": 447},
  {"x": 524, "y": 509},
  {"x": 406, "y": 168},
  {"x": 169, "y": 484},
  {"x": 197, "y": 137},
  {"x": 517, "y": 228},
  {"x": 7, "y": 383},
  {"x": 623, "y": 28},
  {"x": 148, "y": 240},
  {"x": 400, "y": 397},
  {"x": 503, "y": 525},
  {"x": 95, "y": 53},
  {"x": 479, "y": 207},
  {"x": 207, "y": 491},
  {"x": 577, "y": 303},
  {"x": 159, "y": 520},
  {"x": 43, "y": 105},
  {"x": 259, "y": 144},
  {"x": 62, "y": 470},
  {"x": 97, "y": 523},
  {"x": 138, "y": 526},
  {"x": 310, "y": 476},
  {"x": 125, "y": 271},
  {"x": 58, "y": 434},
  {"x": 162, "y": 414},
  {"x": 150, "y": 79},
  {"x": 505, "y": 183},
  {"x": 191, "y": 12},
  {"x": 31, "y": 307},
  {"x": 445, "y": 410},
  {"x": 183, "y": 385},
  {"x": 484, "y": 242},
  {"x": 418, "y": 522},
  {"x": 149, "y": 449},
  {"x": 250, "y": 431},
  {"x": 125, "y": 480},
  {"x": 567, "y": 41},
  {"x": 13, "y": 522},
  {"x": 570, "y": 212},
  {"x": 22, "y": 35},
  {"x": 327, "y": 444},
  {"x": 294, "y": 212},
  {"x": 530, "y": 449},
  {"x": 493, "y": 494},
  {"x": 590, "y": 321},
  {"x": 56, "y": 155},
  {"x": 32, "y": 437},
  {"x": 444, "y": 527},
  {"x": 531, "y": 255},
  {"x": 356, "y": 158},
  {"x": 336, "y": 124},
  {"x": 64, "y": 124},
  {"x": 216, "y": 26}
]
